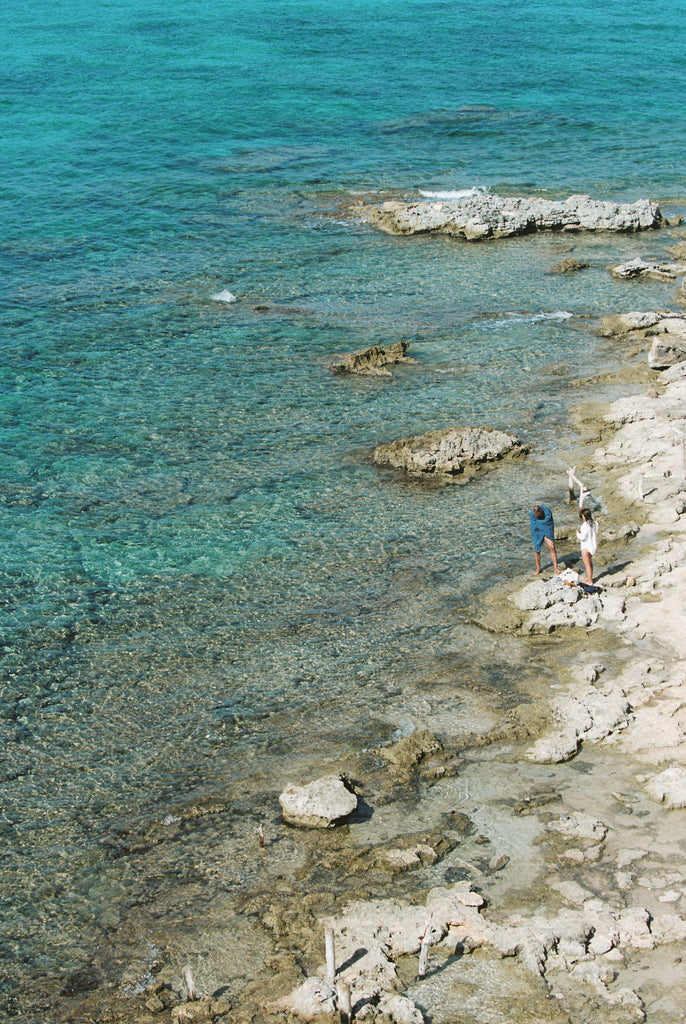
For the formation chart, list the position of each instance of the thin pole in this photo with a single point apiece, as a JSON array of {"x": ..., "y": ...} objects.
[
  {"x": 570, "y": 482},
  {"x": 330, "y": 953}
]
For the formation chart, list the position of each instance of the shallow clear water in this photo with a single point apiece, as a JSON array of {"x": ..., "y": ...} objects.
[{"x": 201, "y": 568}]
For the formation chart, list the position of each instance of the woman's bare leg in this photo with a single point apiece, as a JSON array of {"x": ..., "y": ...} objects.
[{"x": 588, "y": 565}]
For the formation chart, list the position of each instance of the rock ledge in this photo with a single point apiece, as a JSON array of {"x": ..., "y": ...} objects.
[{"x": 488, "y": 216}]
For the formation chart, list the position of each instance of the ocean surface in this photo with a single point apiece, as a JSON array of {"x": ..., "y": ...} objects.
[{"x": 206, "y": 583}]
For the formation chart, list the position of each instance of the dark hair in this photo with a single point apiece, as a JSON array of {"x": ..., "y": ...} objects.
[{"x": 585, "y": 513}]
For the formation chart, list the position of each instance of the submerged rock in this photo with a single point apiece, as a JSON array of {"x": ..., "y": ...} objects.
[
  {"x": 569, "y": 266},
  {"x": 448, "y": 452},
  {"x": 410, "y": 750},
  {"x": 483, "y": 216},
  {"x": 319, "y": 804},
  {"x": 374, "y": 360}
]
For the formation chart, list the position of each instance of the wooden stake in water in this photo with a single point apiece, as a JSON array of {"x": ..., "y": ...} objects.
[
  {"x": 344, "y": 1004},
  {"x": 570, "y": 482},
  {"x": 424, "y": 950},
  {"x": 191, "y": 990},
  {"x": 330, "y": 953},
  {"x": 260, "y": 835}
]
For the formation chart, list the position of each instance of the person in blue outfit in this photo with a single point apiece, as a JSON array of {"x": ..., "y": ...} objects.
[{"x": 543, "y": 531}]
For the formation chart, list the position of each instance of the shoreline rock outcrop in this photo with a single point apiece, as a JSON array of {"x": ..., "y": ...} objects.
[
  {"x": 668, "y": 331},
  {"x": 450, "y": 452},
  {"x": 481, "y": 216},
  {"x": 650, "y": 269}
]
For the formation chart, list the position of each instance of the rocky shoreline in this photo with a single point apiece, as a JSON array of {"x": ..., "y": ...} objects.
[
  {"x": 427, "y": 890},
  {"x": 560, "y": 897},
  {"x": 599, "y": 932}
]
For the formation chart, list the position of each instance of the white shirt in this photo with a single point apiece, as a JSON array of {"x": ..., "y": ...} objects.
[{"x": 588, "y": 536}]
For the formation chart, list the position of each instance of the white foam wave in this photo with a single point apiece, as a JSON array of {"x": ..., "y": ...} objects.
[
  {"x": 533, "y": 318},
  {"x": 448, "y": 194},
  {"x": 223, "y": 296}
]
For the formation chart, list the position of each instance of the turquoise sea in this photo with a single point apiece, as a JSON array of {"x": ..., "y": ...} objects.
[{"x": 205, "y": 581}]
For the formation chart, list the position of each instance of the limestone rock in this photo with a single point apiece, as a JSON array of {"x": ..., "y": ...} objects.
[
  {"x": 669, "y": 787},
  {"x": 373, "y": 361},
  {"x": 399, "y": 1009},
  {"x": 648, "y": 268},
  {"x": 667, "y": 350},
  {"x": 554, "y": 749},
  {"x": 319, "y": 804},
  {"x": 448, "y": 452},
  {"x": 669, "y": 324},
  {"x": 481, "y": 216},
  {"x": 668, "y": 928},
  {"x": 398, "y": 861},
  {"x": 624, "y": 532},
  {"x": 556, "y": 603},
  {"x": 625, "y": 323},
  {"x": 541, "y": 594},
  {"x": 579, "y": 826},
  {"x": 673, "y": 373},
  {"x": 314, "y": 998}
]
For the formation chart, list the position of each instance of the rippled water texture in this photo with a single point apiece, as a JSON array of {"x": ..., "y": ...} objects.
[{"x": 204, "y": 579}]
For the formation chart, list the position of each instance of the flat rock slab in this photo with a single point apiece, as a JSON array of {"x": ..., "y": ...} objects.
[
  {"x": 488, "y": 216},
  {"x": 448, "y": 452},
  {"x": 319, "y": 804}
]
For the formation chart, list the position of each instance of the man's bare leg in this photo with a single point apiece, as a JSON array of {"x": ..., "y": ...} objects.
[{"x": 553, "y": 552}]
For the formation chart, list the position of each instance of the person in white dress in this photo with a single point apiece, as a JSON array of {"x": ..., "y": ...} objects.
[{"x": 588, "y": 539}]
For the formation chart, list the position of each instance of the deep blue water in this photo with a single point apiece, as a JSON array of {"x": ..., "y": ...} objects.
[{"x": 191, "y": 532}]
